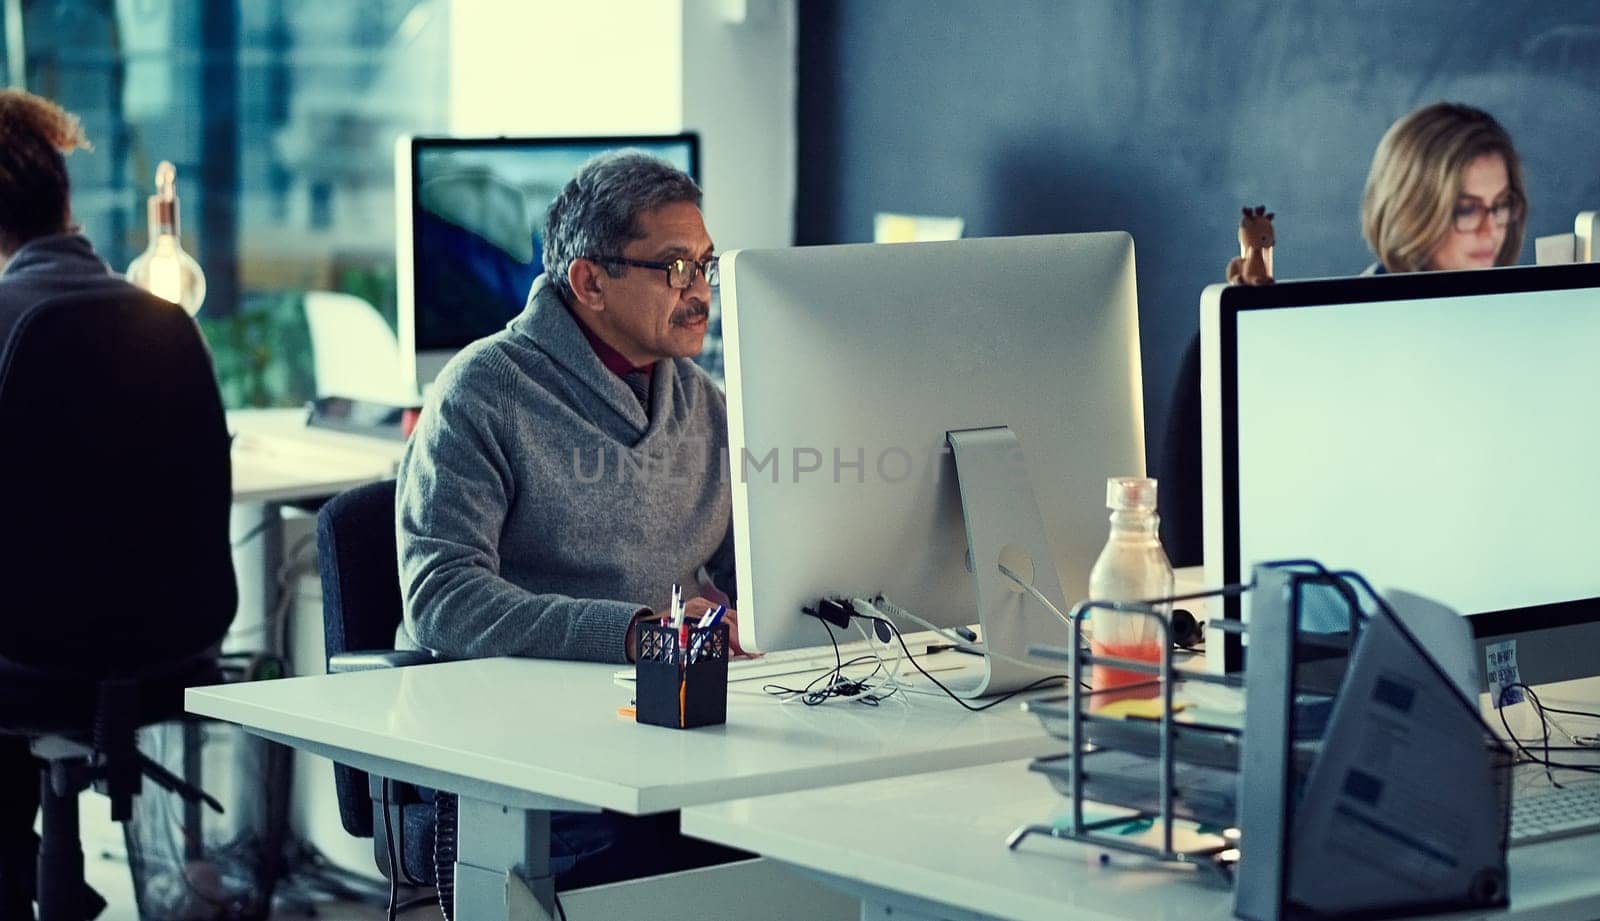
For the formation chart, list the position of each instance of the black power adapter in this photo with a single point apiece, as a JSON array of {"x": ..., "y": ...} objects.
[{"x": 838, "y": 611}]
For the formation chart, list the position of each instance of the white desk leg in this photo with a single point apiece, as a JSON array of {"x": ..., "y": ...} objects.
[
  {"x": 256, "y": 529},
  {"x": 272, "y": 562},
  {"x": 503, "y": 863}
]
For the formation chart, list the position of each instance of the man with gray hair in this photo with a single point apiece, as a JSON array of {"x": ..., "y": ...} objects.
[{"x": 568, "y": 470}]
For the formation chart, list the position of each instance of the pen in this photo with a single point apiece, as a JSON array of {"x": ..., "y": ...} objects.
[
  {"x": 952, "y": 647},
  {"x": 681, "y": 623},
  {"x": 711, "y": 619}
]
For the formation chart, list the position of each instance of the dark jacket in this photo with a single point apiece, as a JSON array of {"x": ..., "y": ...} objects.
[
  {"x": 114, "y": 480},
  {"x": 48, "y": 267}
]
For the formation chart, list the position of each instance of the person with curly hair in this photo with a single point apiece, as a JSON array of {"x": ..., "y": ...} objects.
[
  {"x": 48, "y": 266},
  {"x": 36, "y": 232}
]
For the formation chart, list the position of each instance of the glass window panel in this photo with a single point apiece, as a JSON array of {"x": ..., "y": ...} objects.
[{"x": 281, "y": 119}]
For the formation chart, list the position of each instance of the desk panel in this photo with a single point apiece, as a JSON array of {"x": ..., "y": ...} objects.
[
  {"x": 551, "y": 729},
  {"x": 276, "y": 458},
  {"x": 935, "y": 844}
]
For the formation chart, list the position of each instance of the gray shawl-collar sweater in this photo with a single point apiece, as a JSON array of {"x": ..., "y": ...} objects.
[{"x": 539, "y": 507}]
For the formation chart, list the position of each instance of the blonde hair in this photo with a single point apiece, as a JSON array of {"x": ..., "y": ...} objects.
[
  {"x": 35, "y": 136},
  {"x": 1408, "y": 205}
]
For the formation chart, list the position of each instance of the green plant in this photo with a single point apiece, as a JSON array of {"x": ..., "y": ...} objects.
[
  {"x": 373, "y": 284},
  {"x": 262, "y": 352}
]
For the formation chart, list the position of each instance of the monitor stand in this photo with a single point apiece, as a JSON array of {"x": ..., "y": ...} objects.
[{"x": 1004, "y": 528}]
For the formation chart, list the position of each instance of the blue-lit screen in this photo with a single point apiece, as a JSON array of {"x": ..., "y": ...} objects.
[{"x": 478, "y": 209}]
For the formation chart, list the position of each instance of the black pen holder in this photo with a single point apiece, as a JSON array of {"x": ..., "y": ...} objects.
[{"x": 681, "y": 690}]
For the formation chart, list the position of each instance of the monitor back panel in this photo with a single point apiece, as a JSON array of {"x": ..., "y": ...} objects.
[{"x": 847, "y": 365}]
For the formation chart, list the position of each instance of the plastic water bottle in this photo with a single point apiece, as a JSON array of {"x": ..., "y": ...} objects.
[{"x": 1132, "y": 567}]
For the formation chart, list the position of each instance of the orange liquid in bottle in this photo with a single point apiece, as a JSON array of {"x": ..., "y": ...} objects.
[{"x": 1108, "y": 676}]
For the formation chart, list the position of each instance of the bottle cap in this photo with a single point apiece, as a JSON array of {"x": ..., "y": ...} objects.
[
  {"x": 163, "y": 206},
  {"x": 1129, "y": 493}
]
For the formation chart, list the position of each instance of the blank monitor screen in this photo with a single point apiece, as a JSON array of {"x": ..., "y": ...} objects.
[
  {"x": 1434, "y": 432},
  {"x": 846, "y": 367},
  {"x": 471, "y": 216}
]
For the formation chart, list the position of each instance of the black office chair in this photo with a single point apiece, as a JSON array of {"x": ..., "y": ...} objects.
[
  {"x": 361, "y": 609},
  {"x": 116, "y": 572}
]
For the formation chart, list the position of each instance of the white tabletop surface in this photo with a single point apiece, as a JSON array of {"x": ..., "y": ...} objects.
[
  {"x": 276, "y": 458},
  {"x": 947, "y": 845},
  {"x": 941, "y": 836},
  {"x": 552, "y": 728}
]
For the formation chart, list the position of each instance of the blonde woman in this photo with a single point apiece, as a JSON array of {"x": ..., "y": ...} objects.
[{"x": 1444, "y": 192}]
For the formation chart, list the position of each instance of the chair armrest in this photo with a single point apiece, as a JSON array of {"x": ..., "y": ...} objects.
[{"x": 369, "y": 659}]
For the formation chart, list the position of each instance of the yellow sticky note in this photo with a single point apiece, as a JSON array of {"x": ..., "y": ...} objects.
[{"x": 1144, "y": 708}]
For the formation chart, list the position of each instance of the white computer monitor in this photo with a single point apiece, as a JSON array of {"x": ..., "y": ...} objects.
[
  {"x": 1434, "y": 431},
  {"x": 1585, "y": 228},
  {"x": 848, "y": 365},
  {"x": 469, "y": 217}
]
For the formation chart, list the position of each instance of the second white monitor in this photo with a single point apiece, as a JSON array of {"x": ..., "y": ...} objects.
[
  {"x": 846, "y": 367},
  {"x": 1584, "y": 229},
  {"x": 1430, "y": 430}
]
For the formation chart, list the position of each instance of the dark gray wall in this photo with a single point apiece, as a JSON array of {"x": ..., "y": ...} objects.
[{"x": 1163, "y": 118}]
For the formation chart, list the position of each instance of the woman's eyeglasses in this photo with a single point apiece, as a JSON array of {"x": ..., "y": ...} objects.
[{"x": 1468, "y": 215}]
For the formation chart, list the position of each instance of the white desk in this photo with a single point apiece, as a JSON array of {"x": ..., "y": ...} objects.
[
  {"x": 276, "y": 458},
  {"x": 933, "y": 846},
  {"x": 517, "y": 738}
]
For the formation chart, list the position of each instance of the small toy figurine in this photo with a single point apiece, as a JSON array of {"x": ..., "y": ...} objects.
[{"x": 1253, "y": 265}]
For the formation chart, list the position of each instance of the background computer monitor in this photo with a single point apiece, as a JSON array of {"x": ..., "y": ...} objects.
[
  {"x": 1585, "y": 228},
  {"x": 1433, "y": 431},
  {"x": 853, "y": 362},
  {"x": 470, "y": 215}
]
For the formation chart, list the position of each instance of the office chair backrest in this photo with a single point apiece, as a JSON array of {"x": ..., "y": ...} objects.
[
  {"x": 114, "y": 485},
  {"x": 354, "y": 352},
  {"x": 360, "y": 576},
  {"x": 361, "y": 607}
]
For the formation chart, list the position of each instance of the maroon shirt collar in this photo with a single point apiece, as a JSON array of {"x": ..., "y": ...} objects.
[{"x": 615, "y": 362}]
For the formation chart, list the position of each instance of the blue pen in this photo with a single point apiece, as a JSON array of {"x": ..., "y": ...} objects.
[{"x": 711, "y": 619}]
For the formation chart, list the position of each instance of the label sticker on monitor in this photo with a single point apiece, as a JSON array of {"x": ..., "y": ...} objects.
[{"x": 1503, "y": 674}]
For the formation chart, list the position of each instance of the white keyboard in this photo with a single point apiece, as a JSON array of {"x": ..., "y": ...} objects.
[
  {"x": 1573, "y": 809},
  {"x": 812, "y": 659}
]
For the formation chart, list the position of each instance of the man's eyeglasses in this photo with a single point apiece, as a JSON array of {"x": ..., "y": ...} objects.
[
  {"x": 680, "y": 272},
  {"x": 1468, "y": 215}
]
